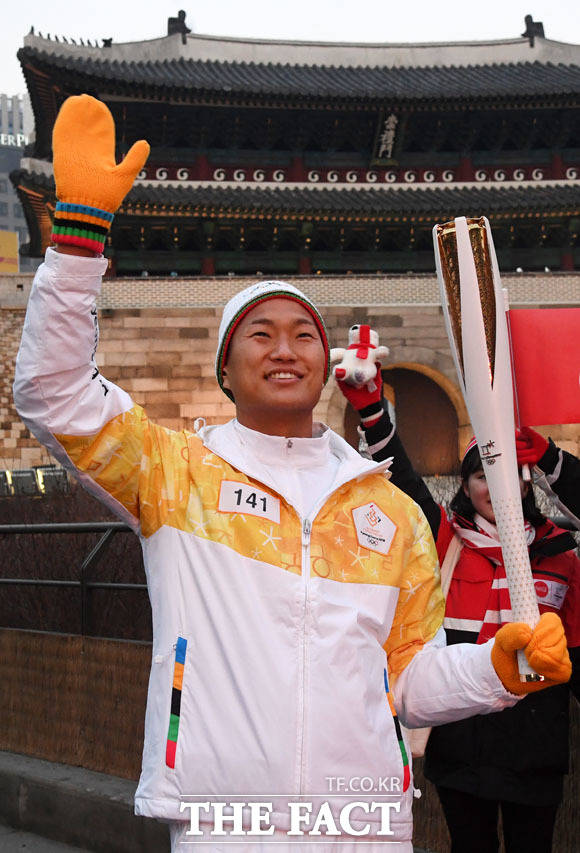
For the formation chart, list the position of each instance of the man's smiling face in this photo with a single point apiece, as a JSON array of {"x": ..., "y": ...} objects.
[{"x": 276, "y": 368}]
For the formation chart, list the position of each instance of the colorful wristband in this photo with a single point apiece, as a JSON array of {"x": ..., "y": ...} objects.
[{"x": 81, "y": 225}]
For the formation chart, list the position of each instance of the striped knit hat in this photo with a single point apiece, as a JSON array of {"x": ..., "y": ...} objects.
[{"x": 244, "y": 301}]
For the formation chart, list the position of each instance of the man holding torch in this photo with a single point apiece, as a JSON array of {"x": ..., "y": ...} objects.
[{"x": 295, "y": 592}]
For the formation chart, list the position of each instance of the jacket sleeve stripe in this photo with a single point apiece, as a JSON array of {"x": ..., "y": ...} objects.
[{"x": 174, "y": 717}]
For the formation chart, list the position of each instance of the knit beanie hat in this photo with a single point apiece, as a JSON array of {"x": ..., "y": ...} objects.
[{"x": 244, "y": 301}]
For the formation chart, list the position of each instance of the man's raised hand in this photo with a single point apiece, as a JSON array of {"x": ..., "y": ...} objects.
[{"x": 90, "y": 185}]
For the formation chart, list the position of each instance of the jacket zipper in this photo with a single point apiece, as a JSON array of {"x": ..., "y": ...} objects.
[
  {"x": 306, "y": 531},
  {"x": 379, "y": 468}
]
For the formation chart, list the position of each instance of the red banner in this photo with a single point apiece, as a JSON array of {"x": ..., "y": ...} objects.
[{"x": 546, "y": 364}]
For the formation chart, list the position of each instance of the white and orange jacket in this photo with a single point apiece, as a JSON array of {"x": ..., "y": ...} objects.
[{"x": 275, "y": 637}]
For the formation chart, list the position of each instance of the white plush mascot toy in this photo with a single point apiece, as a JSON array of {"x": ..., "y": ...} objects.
[{"x": 357, "y": 362}]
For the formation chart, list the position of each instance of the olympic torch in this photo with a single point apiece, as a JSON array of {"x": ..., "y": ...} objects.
[{"x": 473, "y": 308}]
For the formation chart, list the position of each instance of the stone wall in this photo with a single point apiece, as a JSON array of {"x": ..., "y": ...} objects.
[
  {"x": 158, "y": 341},
  {"x": 17, "y": 448}
]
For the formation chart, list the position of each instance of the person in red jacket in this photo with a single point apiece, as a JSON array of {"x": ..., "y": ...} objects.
[{"x": 513, "y": 760}]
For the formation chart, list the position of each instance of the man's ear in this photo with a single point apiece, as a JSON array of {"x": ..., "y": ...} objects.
[{"x": 225, "y": 380}]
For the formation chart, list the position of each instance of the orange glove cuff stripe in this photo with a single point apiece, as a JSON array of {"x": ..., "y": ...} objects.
[
  {"x": 73, "y": 240},
  {"x": 81, "y": 217},
  {"x": 81, "y": 225},
  {"x": 85, "y": 209}
]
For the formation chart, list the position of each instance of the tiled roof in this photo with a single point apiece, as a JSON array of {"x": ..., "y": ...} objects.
[
  {"x": 524, "y": 79},
  {"x": 381, "y": 203},
  {"x": 377, "y": 203}
]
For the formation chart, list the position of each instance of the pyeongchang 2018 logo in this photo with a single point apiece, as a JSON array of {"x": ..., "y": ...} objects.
[{"x": 374, "y": 529}]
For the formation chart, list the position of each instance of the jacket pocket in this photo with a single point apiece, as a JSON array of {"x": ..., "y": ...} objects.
[{"x": 175, "y": 712}]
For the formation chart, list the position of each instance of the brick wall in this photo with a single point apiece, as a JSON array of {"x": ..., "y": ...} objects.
[
  {"x": 530, "y": 289},
  {"x": 163, "y": 354},
  {"x": 17, "y": 448},
  {"x": 164, "y": 358}
]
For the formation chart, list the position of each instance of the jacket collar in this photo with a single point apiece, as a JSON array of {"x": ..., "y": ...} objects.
[
  {"x": 275, "y": 450},
  {"x": 226, "y": 441}
]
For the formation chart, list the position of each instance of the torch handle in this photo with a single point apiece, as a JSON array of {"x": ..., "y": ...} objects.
[{"x": 509, "y": 522}]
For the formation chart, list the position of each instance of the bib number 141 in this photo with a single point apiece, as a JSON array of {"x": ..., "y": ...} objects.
[
  {"x": 248, "y": 500},
  {"x": 251, "y": 499}
]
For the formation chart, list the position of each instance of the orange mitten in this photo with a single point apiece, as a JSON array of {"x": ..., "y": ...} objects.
[
  {"x": 90, "y": 185},
  {"x": 545, "y": 648}
]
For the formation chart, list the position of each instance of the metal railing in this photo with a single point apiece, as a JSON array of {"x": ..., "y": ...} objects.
[{"x": 108, "y": 529}]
